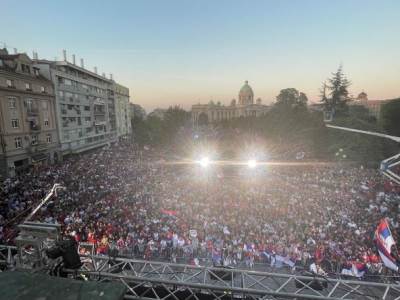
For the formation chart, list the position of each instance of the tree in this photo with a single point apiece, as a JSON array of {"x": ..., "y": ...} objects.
[
  {"x": 339, "y": 95},
  {"x": 390, "y": 117},
  {"x": 291, "y": 98}
]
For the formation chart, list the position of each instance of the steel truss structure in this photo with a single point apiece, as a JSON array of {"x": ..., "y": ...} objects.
[{"x": 161, "y": 280}]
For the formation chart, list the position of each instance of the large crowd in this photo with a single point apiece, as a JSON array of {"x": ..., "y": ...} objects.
[{"x": 136, "y": 202}]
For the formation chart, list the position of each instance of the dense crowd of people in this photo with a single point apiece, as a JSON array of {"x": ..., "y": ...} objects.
[{"x": 141, "y": 205}]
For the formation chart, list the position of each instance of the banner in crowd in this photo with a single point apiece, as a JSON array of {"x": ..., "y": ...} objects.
[
  {"x": 384, "y": 242},
  {"x": 169, "y": 212}
]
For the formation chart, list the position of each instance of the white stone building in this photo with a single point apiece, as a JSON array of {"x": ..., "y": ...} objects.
[{"x": 211, "y": 112}]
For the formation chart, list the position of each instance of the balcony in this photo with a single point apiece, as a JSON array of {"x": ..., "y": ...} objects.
[
  {"x": 100, "y": 122},
  {"x": 34, "y": 127}
]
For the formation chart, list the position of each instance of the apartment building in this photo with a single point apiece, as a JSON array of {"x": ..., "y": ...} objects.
[
  {"x": 28, "y": 128},
  {"x": 84, "y": 104},
  {"x": 122, "y": 110}
]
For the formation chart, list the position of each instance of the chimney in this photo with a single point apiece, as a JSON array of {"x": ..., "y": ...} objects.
[
  {"x": 65, "y": 55},
  {"x": 104, "y": 75},
  {"x": 95, "y": 70},
  {"x": 82, "y": 64},
  {"x": 111, "y": 76},
  {"x": 73, "y": 59},
  {"x": 36, "y": 56},
  {"x": 15, "y": 51}
]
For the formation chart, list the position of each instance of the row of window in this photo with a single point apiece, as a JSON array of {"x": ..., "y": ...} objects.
[
  {"x": 75, "y": 120},
  {"x": 28, "y": 86},
  {"x": 76, "y": 84},
  {"x": 15, "y": 123},
  {"x": 29, "y": 103},
  {"x": 77, "y": 97},
  {"x": 79, "y": 74},
  {"x": 34, "y": 140}
]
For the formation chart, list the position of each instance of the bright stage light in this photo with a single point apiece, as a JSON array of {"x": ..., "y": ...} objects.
[
  {"x": 251, "y": 163},
  {"x": 204, "y": 162}
]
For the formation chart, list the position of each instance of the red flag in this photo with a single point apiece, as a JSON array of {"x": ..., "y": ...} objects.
[{"x": 169, "y": 212}]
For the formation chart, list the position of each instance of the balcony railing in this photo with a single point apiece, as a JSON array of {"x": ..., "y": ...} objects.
[{"x": 34, "y": 128}]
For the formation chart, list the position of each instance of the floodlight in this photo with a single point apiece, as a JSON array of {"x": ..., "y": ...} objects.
[
  {"x": 204, "y": 162},
  {"x": 251, "y": 163}
]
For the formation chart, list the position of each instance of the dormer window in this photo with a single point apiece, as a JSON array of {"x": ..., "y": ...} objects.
[
  {"x": 25, "y": 68},
  {"x": 36, "y": 72}
]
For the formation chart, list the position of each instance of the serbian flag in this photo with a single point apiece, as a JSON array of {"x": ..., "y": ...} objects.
[
  {"x": 169, "y": 212},
  {"x": 355, "y": 269},
  {"x": 384, "y": 242}
]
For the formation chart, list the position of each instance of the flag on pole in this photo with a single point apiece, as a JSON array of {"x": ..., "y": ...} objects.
[{"x": 384, "y": 242}]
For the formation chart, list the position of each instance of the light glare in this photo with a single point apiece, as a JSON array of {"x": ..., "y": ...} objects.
[
  {"x": 204, "y": 162},
  {"x": 251, "y": 163}
]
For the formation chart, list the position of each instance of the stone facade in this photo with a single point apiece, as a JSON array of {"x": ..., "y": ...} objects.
[
  {"x": 211, "y": 112},
  {"x": 28, "y": 128}
]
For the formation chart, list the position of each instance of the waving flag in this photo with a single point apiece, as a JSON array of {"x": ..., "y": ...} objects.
[
  {"x": 384, "y": 241},
  {"x": 355, "y": 269}
]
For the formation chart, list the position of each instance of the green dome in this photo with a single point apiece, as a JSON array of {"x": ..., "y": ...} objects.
[{"x": 246, "y": 90}]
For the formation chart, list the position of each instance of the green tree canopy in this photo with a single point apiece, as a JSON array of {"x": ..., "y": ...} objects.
[{"x": 390, "y": 117}]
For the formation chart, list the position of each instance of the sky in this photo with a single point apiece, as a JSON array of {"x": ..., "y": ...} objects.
[{"x": 182, "y": 52}]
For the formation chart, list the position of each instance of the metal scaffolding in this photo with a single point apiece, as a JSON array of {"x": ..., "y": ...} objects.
[{"x": 162, "y": 280}]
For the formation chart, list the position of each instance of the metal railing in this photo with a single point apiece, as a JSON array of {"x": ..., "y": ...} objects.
[{"x": 160, "y": 280}]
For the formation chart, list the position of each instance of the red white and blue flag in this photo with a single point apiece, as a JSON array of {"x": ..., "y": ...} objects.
[{"x": 384, "y": 241}]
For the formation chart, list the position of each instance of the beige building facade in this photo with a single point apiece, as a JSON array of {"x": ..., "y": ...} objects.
[
  {"x": 122, "y": 110},
  {"x": 28, "y": 127},
  {"x": 216, "y": 112}
]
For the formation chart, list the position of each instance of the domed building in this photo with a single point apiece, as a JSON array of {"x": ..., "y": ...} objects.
[
  {"x": 203, "y": 114},
  {"x": 246, "y": 94}
]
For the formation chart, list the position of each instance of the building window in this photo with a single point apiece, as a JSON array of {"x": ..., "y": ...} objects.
[
  {"x": 34, "y": 139},
  {"x": 18, "y": 143},
  {"x": 10, "y": 83},
  {"x": 42, "y": 89},
  {"x": 48, "y": 138},
  {"x": 28, "y": 86},
  {"x": 12, "y": 102},
  {"x": 29, "y": 105},
  {"x": 87, "y": 108},
  {"x": 15, "y": 123},
  {"x": 61, "y": 94},
  {"x": 36, "y": 71},
  {"x": 46, "y": 123}
]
